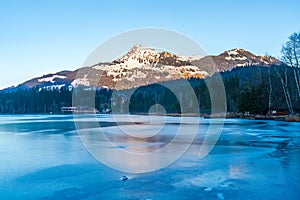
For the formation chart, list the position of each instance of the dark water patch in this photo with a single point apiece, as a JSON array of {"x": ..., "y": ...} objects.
[
  {"x": 37, "y": 126},
  {"x": 277, "y": 136}
]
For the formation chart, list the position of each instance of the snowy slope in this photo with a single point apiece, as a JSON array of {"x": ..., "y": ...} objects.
[{"x": 142, "y": 66}]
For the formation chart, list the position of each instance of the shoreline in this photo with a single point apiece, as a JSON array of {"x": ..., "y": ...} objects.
[{"x": 286, "y": 118}]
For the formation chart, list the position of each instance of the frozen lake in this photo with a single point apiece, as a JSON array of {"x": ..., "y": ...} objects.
[{"x": 42, "y": 157}]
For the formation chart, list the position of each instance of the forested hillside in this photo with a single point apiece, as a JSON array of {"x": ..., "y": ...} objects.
[{"x": 254, "y": 89}]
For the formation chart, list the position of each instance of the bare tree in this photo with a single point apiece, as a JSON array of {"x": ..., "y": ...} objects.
[
  {"x": 291, "y": 56},
  {"x": 284, "y": 84},
  {"x": 270, "y": 91}
]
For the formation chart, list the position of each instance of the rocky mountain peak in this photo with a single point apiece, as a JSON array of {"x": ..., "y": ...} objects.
[
  {"x": 144, "y": 65},
  {"x": 151, "y": 56}
]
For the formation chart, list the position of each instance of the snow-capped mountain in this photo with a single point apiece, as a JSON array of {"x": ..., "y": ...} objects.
[
  {"x": 143, "y": 66},
  {"x": 230, "y": 59},
  {"x": 148, "y": 56}
]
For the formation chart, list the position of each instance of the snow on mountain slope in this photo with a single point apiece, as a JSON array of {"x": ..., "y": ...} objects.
[
  {"x": 81, "y": 81},
  {"x": 230, "y": 59},
  {"x": 51, "y": 78},
  {"x": 143, "y": 66}
]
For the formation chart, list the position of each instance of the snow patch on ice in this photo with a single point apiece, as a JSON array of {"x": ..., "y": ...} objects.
[
  {"x": 211, "y": 179},
  {"x": 220, "y": 196}
]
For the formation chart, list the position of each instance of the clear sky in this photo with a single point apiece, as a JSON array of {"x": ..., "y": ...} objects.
[{"x": 40, "y": 37}]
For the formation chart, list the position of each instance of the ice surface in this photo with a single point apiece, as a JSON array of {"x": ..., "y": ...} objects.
[{"x": 42, "y": 157}]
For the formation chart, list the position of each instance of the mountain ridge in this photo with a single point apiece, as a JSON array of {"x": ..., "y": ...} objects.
[{"x": 143, "y": 66}]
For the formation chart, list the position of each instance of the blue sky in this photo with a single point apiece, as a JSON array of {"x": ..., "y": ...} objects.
[{"x": 40, "y": 37}]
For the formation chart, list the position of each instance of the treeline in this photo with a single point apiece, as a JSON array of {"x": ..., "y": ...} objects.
[
  {"x": 34, "y": 100},
  {"x": 259, "y": 90},
  {"x": 255, "y": 89}
]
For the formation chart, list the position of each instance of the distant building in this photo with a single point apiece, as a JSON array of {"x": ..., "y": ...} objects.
[{"x": 78, "y": 109}]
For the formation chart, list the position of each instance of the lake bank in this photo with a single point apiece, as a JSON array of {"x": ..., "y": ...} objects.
[{"x": 42, "y": 157}]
